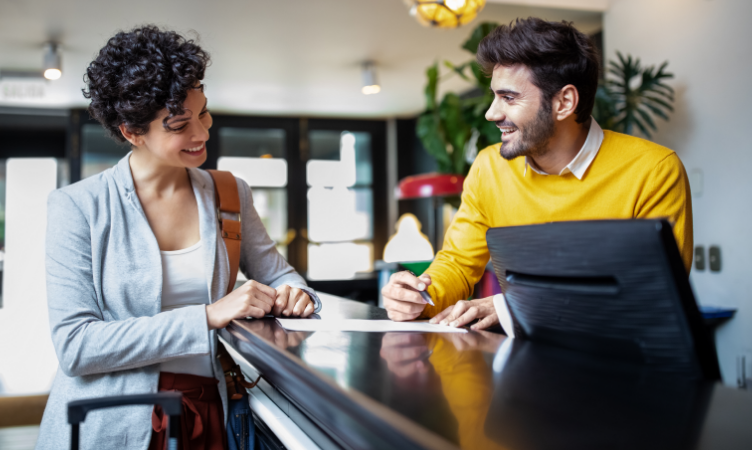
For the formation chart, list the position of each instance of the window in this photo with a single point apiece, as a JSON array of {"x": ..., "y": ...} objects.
[
  {"x": 339, "y": 175},
  {"x": 258, "y": 157}
]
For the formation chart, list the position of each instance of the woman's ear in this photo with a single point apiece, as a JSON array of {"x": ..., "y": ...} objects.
[
  {"x": 565, "y": 102},
  {"x": 136, "y": 140}
]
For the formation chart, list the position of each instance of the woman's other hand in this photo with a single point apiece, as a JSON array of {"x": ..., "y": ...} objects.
[
  {"x": 292, "y": 301},
  {"x": 252, "y": 299}
]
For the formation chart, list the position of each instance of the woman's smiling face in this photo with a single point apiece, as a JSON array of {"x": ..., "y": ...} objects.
[{"x": 183, "y": 142}]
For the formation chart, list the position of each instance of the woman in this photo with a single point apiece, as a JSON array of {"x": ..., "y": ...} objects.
[{"x": 136, "y": 270}]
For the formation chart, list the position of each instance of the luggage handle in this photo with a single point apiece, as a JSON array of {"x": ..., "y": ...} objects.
[{"x": 171, "y": 403}]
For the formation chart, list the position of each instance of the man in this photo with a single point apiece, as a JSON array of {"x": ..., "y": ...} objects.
[{"x": 554, "y": 163}]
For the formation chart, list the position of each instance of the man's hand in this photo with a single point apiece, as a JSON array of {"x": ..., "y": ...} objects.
[
  {"x": 405, "y": 353},
  {"x": 292, "y": 301},
  {"x": 464, "y": 312},
  {"x": 402, "y": 298},
  {"x": 484, "y": 341}
]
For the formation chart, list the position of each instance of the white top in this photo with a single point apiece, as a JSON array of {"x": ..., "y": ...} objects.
[
  {"x": 184, "y": 284},
  {"x": 580, "y": 163}
]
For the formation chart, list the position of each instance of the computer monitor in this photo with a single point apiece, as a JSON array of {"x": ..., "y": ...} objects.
[{"x": 613, "y": 288}]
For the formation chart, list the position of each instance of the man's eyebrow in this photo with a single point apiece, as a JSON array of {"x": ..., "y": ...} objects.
[{"x": 505, "y": 92}]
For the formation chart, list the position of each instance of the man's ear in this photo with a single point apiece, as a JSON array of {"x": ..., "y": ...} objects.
[
  {"x": 136, "y": 140},
  {"x": 565, "y": 102}
]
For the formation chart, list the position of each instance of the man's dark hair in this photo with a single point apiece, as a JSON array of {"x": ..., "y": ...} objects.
[
  {"x": 139, "y": 73},
  {"x": 555, "y": 52}
]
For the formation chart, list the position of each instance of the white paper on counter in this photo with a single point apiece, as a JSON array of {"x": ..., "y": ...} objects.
[{"x": 368, "y": 326}]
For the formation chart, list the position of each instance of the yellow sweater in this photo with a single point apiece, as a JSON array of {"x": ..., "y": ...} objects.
[{"x": 629, "y": 178}]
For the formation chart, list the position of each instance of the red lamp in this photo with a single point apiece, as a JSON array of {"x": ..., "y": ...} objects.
[{"x": 430, "y": 185}]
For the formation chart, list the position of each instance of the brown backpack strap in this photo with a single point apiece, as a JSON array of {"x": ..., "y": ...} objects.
[{"x": 228, "y": 201}]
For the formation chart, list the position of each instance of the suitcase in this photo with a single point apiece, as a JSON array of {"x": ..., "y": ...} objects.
[{"x": 171, "y": 403}]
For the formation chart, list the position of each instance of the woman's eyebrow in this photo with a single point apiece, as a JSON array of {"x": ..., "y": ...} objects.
[
  {"x": 183, "y": 119},
  {"x": 180, "y": 119}
]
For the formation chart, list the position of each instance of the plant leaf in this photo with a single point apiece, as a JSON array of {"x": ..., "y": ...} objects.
[
  {"x": 432, "y": 73},
  {"x": 658, "y": 101},
  {"x": 642, "y": 128},
  {"x": 483, "y": 81},
  {"x": 456, "y": 130},
  {"x": 481, "y": 31},
  {"x": 646, "y": 117},
  {"x": 459, "y": 70},
  {"x": 655, "y": 110},
  {"x": 428, "y": 130}
]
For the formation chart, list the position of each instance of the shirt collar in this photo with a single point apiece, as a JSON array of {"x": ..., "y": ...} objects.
[{"x": 580, "y": 163}]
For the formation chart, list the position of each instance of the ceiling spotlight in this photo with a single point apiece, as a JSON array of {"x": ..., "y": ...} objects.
[
  {"x": 445, "y": 13},
  {"x": 370, "y": 85},
  {"x": 52, "y": 66}
]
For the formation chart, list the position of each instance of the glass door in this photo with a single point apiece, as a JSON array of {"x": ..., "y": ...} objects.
[
  {"x": 319, "y": 186},
  {"x": 345, "y": 204},
  {"x": 262, "y": 152},
  {"x": 257, "y": 155}
]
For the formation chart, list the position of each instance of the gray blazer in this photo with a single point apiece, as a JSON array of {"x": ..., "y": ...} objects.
[{"x": 104, "y": 286}]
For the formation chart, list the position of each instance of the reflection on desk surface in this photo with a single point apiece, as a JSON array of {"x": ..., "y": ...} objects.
[{"x": 480, "y": 390}]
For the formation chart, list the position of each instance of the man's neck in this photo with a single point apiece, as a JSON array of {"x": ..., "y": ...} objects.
[{"x": 563, "y": 147}]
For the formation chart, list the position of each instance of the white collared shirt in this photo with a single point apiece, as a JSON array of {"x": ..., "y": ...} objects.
[{"x": 580, "y": 163}]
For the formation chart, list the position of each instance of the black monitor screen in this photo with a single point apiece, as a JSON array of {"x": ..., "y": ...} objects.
[{"x": 614, "y": 288}]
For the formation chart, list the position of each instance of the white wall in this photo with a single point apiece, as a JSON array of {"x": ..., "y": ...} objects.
[{"x": 707, "y": 44}]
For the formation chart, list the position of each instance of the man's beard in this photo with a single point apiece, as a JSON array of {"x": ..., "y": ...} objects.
[{"x": 534, "y": 136}]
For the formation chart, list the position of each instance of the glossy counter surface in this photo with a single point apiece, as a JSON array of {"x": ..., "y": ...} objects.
[{"x": 480, "y": 390}]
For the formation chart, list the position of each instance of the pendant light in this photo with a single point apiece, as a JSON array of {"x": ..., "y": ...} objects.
[
  {"x": 445, "y": 13},
  {"x": 52, "y": 67},
  {"x": 370, "y": 85}
]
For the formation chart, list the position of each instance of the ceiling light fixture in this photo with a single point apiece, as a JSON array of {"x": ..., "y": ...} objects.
[
  {"x": 370, "y": 85},
  {"x": 52, "y": 66},
  {"x": 445, "y": 13}
]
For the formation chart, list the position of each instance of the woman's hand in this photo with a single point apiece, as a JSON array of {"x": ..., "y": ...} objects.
[
  {"x": 252, "y": 299},
  {"x": 292, "y": 301}
]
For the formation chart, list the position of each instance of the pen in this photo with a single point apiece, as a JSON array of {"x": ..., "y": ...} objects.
[
  {"x": 423, "y": 294},
  {"x": 426, "y": 297}
]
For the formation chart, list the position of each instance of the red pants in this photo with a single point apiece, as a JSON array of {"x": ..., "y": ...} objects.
[{"x": 202, "y": 424}]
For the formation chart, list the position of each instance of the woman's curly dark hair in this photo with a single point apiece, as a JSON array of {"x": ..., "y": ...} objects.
[{"x": 139, "y": 73}]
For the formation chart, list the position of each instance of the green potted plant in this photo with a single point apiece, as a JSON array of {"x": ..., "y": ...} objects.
[
  {"x": 631, "y": 96},
  {"x": 454, "y": 128}
]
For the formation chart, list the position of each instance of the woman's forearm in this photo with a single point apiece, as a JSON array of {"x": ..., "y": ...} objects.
[{"x": 86, "y": 346}]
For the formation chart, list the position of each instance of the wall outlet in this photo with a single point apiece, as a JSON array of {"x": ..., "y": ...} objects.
[
  {"x": 714, "y": 258},
  {"x": 699, "y": 257}
]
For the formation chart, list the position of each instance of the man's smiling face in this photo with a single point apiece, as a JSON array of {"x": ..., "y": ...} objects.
[{"x": 525, "y": 120}]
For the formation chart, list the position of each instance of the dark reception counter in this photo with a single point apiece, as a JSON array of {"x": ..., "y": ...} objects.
[{"x": 472, "y": 391}]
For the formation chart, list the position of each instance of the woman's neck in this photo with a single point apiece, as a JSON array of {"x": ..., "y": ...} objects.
[{"x": 154, "y": 176}]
